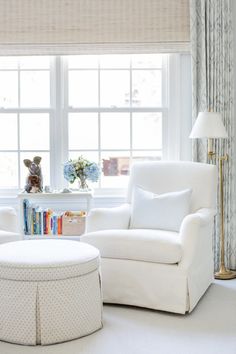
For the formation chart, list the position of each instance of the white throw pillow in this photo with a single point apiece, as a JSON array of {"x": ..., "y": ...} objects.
[{"x": 163, "y": 211}]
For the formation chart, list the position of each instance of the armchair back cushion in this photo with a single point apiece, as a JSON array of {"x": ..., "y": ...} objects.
[
  {"x": 159, "y": 211},
  {"x": 170, "y": 176}
]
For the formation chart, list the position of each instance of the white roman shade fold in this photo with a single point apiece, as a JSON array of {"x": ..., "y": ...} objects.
[{"x": 93, "y": 26}]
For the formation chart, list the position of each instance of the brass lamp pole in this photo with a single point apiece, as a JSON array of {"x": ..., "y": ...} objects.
[
  {"x": 209, "y": 125},
  {"x": 223, "y": 272}
]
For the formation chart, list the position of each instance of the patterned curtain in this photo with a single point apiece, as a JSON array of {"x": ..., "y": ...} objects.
[{"x": 212, "y": 80}]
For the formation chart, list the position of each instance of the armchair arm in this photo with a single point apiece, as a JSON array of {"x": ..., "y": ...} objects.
[
  {"x": 108, "y": 218},
  {"x": 8, "y": 219},
  {"x": 196, "y": 237},
  {"x": 202, "y": 217}
]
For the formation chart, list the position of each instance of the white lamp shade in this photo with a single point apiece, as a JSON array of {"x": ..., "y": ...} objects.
[{"x": 208, "y": 125}]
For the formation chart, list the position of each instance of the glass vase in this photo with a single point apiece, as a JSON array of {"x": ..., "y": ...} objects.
[{"x": 83, "y": 187}]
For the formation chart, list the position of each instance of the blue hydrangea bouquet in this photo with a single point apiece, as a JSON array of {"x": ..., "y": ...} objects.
[{"x": 82, "y": 170}]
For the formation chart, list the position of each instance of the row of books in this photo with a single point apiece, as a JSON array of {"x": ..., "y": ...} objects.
[{"x": 39, "y": 221}]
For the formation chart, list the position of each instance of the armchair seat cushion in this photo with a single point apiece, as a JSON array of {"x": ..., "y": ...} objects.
[
  {"x": 7, "y": 236},
  {"x": 157, "y": 246}
]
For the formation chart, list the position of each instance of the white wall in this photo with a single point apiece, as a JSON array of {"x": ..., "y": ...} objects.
[
  {"x": 186, "y": 109},
  {"x": 180, "y": 108}
]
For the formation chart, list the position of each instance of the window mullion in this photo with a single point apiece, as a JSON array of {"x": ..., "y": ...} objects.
[
  {"x": 64, "y": 115},
  {"x": 18, "y": 152},
  {"x": 18, "y": 127},
  {"x": 56, "y": 124},
  {"x": 99, "y": 119},
  {"x": 131, "y": 112}
]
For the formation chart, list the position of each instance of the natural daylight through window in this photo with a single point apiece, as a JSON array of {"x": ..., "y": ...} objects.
[{"x": 112, "y": 109}]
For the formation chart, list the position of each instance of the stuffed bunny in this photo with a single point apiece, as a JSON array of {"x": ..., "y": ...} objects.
[{"x": 34, "y": 180}]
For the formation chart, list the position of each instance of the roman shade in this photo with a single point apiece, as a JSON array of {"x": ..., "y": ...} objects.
[{"x": 93, "y": 26}]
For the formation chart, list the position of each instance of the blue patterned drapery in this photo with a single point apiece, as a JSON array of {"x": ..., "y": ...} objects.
[{"x": 212, "y": 85}]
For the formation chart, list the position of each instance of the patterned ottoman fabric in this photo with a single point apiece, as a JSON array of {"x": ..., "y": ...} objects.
[{"x": 50, "y": 291}]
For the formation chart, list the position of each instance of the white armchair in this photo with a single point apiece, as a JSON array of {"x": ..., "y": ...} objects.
[
  {"x": 153, "y": 268},
  {"x": 8, "y": 225}
]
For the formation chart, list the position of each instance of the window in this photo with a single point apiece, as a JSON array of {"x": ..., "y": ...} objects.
[
  {"x": 24, "y": 117},
  {"x": 112, "y": 109},
  {"x": 115, "y": 106}
]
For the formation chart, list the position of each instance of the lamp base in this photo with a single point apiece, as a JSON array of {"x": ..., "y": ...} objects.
[{"x": 225, "y": 274}]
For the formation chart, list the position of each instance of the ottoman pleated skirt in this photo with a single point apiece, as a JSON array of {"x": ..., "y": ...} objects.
[{"x": 50, "y": 291}]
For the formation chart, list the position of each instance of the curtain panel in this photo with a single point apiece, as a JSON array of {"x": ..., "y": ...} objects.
[
  {"x": 93, "y": 26},
  {"x": 212, "y": 88}
]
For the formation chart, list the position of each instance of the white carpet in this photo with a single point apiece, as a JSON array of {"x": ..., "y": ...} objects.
[{"x": 209, "y": 329}]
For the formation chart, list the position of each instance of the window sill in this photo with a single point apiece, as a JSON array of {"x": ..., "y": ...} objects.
[{"x": 100, "y": 200}]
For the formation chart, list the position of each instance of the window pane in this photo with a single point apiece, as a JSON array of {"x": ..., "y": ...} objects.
[
  {"x": 83, "y": 131},
  {"x": 147, "y": 155},
  {"x": 82, "y": 61},
  {"x": 147, "y": 131},
  {"x": 83, "y": 88},
  {"x": 115, "y": 131},
  {"x": 115, "y": 61},
  {"x": 89, "y": 155},
  {"x": 45, "y": 166},
  {"x": 115, "y": 88},
  {"x": 147, "y": 61},
  {"x": 35, "y": 62},
  {"x": 115, "y": 167},
  {"x": 8, "y": 89},
  {"x": 35, "y": 89},
  {"x": 34, "y": 131},
  {"x": 147, "y": 88},
  {"x": 8, "y": 170},
  {"x": 8, "y": 131},
  {"x": 8, "y": 62}
]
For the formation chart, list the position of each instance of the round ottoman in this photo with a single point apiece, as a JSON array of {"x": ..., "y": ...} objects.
[{"x": 50, "y": 291}]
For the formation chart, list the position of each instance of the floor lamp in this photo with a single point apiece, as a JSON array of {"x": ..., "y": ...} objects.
[{"x": 209, "y": 125}]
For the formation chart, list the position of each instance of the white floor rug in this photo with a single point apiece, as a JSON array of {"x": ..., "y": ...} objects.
[{"x": 209, "y": 329}]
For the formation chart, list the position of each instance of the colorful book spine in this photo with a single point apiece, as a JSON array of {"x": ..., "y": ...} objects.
[
  {"x": 49, "y": 221},
  {"x": 59, "y": 224},
  {"x": 38, "y": 221},
  {"x": 54, "y": 224},
  {"x": 41, "y": 222},
  {"x": 34, "y": 226},
  {"x": 25, "y": 215}
]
